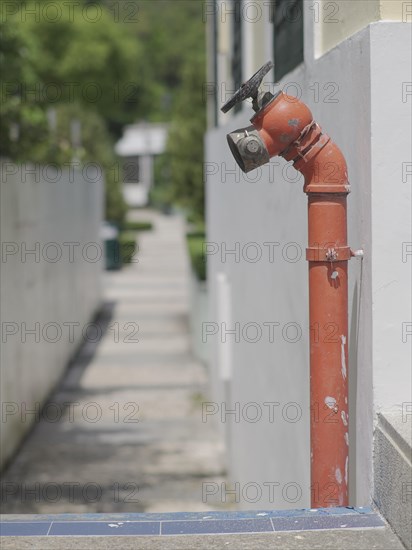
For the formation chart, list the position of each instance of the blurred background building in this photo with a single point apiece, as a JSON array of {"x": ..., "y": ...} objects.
[{"x": 137, "y": 149}]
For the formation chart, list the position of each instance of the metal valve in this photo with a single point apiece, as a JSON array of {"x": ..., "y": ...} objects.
[
  {"x": 248, "y": 148},
  {"x": 251, "y": 89}
]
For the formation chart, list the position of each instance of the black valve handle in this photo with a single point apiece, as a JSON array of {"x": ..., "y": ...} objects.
[{"x": 249, "y": 88}]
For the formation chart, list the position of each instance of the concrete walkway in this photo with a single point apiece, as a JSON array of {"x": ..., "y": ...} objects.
[{"x": 130, "y": 437}]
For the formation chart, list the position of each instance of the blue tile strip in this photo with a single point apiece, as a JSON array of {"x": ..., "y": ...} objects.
[
  {"x": 32, "y": 529},
  {"x": 99, "y": 528},
  {"x": 187, "y": 523},
  {"x": 208, "y": 526}
]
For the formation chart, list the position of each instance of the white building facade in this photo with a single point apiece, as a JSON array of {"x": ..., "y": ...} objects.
[{"x": 351, "y": 63}]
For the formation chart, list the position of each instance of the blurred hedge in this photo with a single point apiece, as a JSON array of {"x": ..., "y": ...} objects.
[
  {"x": 128, "y": 246},
  {"x": 196, "y": 246},
  {"x": 137, "y": 226}
]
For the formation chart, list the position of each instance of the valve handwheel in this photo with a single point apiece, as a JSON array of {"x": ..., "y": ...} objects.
[{"x": 249, "y": 88}]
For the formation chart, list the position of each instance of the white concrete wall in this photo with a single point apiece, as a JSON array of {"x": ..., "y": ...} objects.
[
  {"x": 198, "y": 312},
  {"x": 338, "y": 20},
  {"x": 391, "y": 114},
  {"x": 59, "y": 284},
  {"x": 355, "y": 94}
]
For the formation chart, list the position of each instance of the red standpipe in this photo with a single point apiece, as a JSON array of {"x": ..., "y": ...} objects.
[{"x": 287, "y": 128}]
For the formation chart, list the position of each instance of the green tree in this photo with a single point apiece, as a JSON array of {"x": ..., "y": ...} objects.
[
  {"x": 185, "y": 142},
  {"x": 142, "y": 59},
  {"x": 171, "y": 31},
  {"x": 23, "y": 121},
  {"x": 83, "y": 71},
  {"x": 93, "y": 63}
]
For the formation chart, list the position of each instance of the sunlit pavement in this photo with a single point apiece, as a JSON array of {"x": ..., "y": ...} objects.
[{"x": 131, "y": 436}]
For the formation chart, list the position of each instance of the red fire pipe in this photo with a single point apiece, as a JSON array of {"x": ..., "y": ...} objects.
[
  {"x": 284, "y": 126},
  {"x": 287, "y": 128}
]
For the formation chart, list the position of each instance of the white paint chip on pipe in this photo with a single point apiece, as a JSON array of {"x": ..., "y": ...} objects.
[
  {"x": 330, "y": 402},
  {"x": 346, "y": 470},
  {"x": 338, "y": 475},
  {"x": 342, "y": 356}
]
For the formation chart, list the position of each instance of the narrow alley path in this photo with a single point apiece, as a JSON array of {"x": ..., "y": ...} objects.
[{"x": 130, "y": 437}]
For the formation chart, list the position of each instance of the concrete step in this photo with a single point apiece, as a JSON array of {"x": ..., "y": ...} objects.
[{"x": 393, "y": 470}]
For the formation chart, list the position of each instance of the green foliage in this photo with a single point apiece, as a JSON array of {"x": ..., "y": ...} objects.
[
  {"x": 70, "y": 60},
  {"x": 86, "y": 62},
  {"x": 142, "y": 59},
  {"x": 185, "y": 143},
  {"x": 170, "y": 31},
  {"x": 116, "y": 207},
  {"x": 137, "y": 226},
  {"x": 78, "y": 68},
  {"x": 128, "y": 246},
  {"x": 196, "y": 246},
  {"x": 176, "y": 51},
  {"x": 23, "y": 121}
]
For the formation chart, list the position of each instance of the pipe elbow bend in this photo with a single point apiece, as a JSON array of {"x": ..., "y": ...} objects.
[
  {"x": 281, "y": 122},
  {"x": 287, "y": 128},
  {"x": 326, "y": 171}
]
